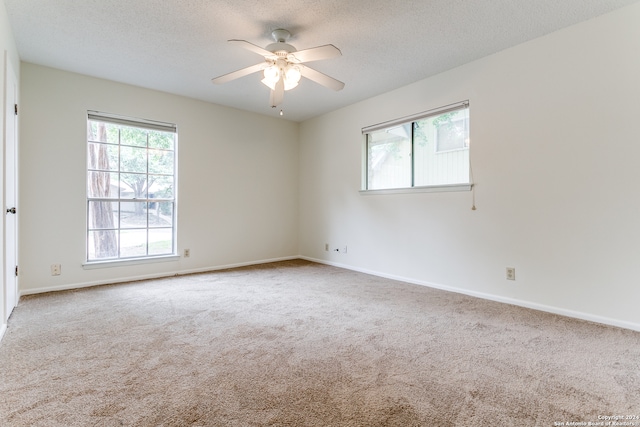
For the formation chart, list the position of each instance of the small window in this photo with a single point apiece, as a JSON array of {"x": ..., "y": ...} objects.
[
  {"x": 426, "y": 150},
  {"x": 131, "y": 181}
]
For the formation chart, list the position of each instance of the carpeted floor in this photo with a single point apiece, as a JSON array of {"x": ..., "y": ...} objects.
[{"x": 301, "y": 344}]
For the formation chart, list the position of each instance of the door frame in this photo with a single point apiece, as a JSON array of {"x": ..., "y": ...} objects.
[{"x": 9, "y": 190}]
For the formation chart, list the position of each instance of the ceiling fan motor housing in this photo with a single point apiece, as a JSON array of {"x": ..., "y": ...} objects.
[{"x": 280, "y": 47}]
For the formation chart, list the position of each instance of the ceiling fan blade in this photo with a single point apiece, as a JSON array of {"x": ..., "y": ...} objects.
[
  {"x": 327, "y": 51},
  {"x": 321, "y": 78},
  {"x": 277, "y": 95},
  {"x": 253, "y": 48},
  {"x": 240, "y": 73}
]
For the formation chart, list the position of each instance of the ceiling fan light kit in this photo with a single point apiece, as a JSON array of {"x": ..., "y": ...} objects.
[
  {"x": 273, "y": 72},
  {"x": 283, "y": 65}
]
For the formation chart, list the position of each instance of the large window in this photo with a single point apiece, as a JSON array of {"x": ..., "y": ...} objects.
[
  {"x": 131, "y": 177},
  {"x": 427, "y": 150}
]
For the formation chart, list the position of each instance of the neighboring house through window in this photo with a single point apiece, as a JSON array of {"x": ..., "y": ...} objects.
[{"x": 131, "y": 182}]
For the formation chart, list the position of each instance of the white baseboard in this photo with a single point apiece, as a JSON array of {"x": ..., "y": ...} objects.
[
  {"x": 3, "y": 329},
  {"x": 79, "y": 285},
  {"x": 521, "y": 303}
]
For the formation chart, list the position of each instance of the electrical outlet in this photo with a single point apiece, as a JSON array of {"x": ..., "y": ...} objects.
[
  {"x": 339, "y": 249},
  {"x": 511, "y": 273},
  {"x": 56, "y": 269},
  {"x": 187, "y": 253}
]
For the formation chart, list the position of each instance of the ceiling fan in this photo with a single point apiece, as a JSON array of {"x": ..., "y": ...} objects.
[{"x": 283, "y": 65}]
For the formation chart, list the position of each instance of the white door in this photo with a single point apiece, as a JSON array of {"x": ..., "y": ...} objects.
[{"x": 10, "y": 175}]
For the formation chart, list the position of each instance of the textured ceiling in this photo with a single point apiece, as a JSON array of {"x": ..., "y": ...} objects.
[{"x": 178, "y": 46}]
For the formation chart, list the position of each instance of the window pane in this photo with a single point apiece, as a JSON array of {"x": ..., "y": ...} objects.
[
  {"x": 102, "y": 185},
  {"x": 102, "y": 156},
  {"x": 133, "y": 136},
  {"x": 452, "y": 130},
  {"x": 133, "y": 243},
  {"x": 441, "y": 149},
  {"x": 133, "y": 214},
  {"x": 389, "y": 158},
  {"x": 102, "y": 244},
  {"x": 133, "y": 186},
  {"x": 163, "y": 140},
  {"x": 161, "y": 187},
  {"x": 103, "y": 215},
  {"x": 161, "y": 161},
  {"x": 133, "y": 159},
  {"x": 92, "y": 131},
  {"x": 103, "y": 132},
  {"x": 160, "y": 241},
  {"x": 161, "y": 214}
]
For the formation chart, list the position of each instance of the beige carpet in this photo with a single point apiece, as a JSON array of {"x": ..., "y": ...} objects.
[{"x": 302, "y": 344}]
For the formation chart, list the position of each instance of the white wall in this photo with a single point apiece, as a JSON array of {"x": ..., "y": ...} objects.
[
  {"x": 237, "y": 189},
  {"x": 555, "y": 147}
]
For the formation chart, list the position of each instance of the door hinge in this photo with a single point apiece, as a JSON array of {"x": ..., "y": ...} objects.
[
  {"x": 15, "y": 108},
  {"x": 16, "y": 271}
]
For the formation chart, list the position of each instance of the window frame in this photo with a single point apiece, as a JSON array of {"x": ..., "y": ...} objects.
[
  {"x": 119, "y": 259},
  {"x": 411, "y": 120}
]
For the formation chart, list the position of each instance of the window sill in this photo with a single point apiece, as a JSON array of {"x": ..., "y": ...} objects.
[
  {"x": 427, "y": 189},
  {"x": 90, "y": 265}
]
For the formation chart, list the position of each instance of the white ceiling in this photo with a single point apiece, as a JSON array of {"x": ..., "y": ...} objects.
[{"x": 178, "y": 46}]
